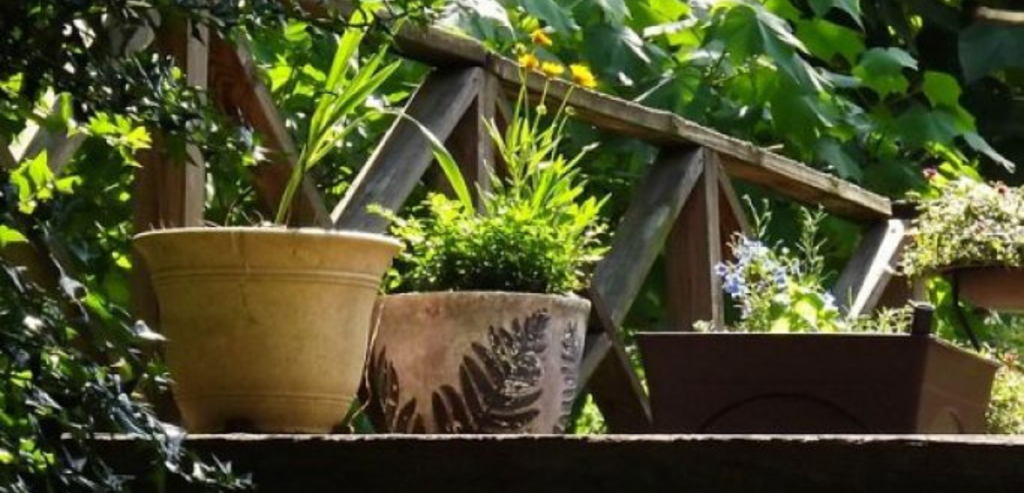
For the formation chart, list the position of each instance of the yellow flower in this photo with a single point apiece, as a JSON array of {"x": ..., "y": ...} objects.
[
  {"x": 540, "y": 38},
  {"x": 529, "y": 61},
  {"x": 582, "y": 75},
  {"x": 552, "y": 69}
]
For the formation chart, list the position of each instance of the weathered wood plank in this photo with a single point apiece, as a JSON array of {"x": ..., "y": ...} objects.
[
  {"x": 470, "y": 143},
  {"x": 169, "y": 193},
  {"x": 741, "y": 159},
  {"x": 607, "y": 371},
  {"x": 400, "y": 160},
  {"x": 643, "y": 230},
  {"x": 238, "y": 89},
  {"x": 693, "y": 250},
  {"x": 867, "y": 275},
  {"x": 59, "y": 147},
  {"x": 733, "y": 217}
]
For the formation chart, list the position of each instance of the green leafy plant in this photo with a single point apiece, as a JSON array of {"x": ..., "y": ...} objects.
[
  {"x": 1005, "y": 415},
  {"x": 532, "y": 231},
  {"x": 340, "y": 110},
  {"x": 967, "y": 223},
  {"x": 782, "y": 291}
]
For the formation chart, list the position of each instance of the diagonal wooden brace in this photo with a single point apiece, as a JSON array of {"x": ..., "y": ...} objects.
[
  {"x": 400, "y": 160},
  {"x": 607, "y": 370}
]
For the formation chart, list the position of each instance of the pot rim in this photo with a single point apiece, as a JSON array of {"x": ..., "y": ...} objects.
[
  {"x": 649, "y": 335},
  {"x": 570, "y": 297},
  {"x": 271, "y": 230}
]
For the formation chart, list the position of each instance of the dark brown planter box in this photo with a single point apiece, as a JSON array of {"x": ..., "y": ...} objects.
[
  {"x": 813, "y": 383},
  {"x": 995, "y": 288}
]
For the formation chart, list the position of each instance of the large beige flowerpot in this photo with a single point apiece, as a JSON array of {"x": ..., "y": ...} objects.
[
  {"x": 267, "y": 328},
  {"x": 476, "y": 362}
]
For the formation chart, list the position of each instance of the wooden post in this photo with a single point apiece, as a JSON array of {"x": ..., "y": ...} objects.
[
  {"x": 693, "y": 250},
  {"x": 170, "y": 193}
]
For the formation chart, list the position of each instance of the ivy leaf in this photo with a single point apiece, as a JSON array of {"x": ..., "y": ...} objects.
[
  {"x": 852, "y": 7},
  {"x": 552, "y": 14},
  {"x": 881, "y": 69},
  {"x": 987, "y": 47},
  {"x": 825, "y": 40},
  {"x": 9, "y": 235},
  {"x": 942, "y": 90}
]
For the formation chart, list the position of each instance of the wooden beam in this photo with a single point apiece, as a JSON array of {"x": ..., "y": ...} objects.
[
  {"x": 169, "y": 193},
  {"x": 867, "y": 275},
  {"x": 643, "y": 231},
  {"x": 237, "y": 87},
  {"x": 1011, "y": 17},
  {"x": 470, "y": 143},
  {"x": 400, "y": 160},
  {"x": 693, "y": 250},
  {"x": 607, "y": 371},
  {"x": 741, "y": 159}
]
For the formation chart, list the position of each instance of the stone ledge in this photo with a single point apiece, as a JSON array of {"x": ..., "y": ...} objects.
[{"x": 612, "y": 463}]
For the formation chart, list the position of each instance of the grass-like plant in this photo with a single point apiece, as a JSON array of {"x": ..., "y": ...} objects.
[
  {"x": 968, "y": 223},
  {"x": 340, "y": 109},
  {"x": 531, "y": 232}
]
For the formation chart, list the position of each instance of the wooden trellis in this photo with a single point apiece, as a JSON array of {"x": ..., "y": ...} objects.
[{"x": 685, "y": 205}]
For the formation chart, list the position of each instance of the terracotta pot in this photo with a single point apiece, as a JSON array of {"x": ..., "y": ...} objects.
[
  {"x": 267, "y": 328},
  {"x": 476, "y": 362},
  {"x": 813, "y": 383},
  {"x": 995, "y": 288}
]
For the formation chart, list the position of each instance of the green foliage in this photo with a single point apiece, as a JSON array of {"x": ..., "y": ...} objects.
[
  {"x": 823, "y": 81},
  {"x": 1005, "y": 414},
  {"x": 344, "y": 92},
  {"x": 533, "y": 232},
  {"x": 780, "y": 291},
  {"x": 967, "y": 223},
  {"x": 56, "y": 394}
]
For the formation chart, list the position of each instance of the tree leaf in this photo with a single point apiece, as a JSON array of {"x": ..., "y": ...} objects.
[
  {"x": 881, "y": 69},
  {"x": 986, "y": 47},
  {"x": 825, "y": 40},
  {"x": 835, "y": 154},
  {"x": 9, "y": 235},
  {"x": 978, "y": 143},
  {"x": 615, "y": 11},
  {"x": 919, "y": 126},
  {"x": 552, "y": 14},
  {"x": 942, "y": 90},
  {"x": 852, "y": 7}
]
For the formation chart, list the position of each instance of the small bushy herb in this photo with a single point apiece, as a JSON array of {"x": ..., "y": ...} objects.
[
  {"x": 778, "y": 290},
  {"x": 969, "y": 223},
  {"x": 532, "y": 232}
]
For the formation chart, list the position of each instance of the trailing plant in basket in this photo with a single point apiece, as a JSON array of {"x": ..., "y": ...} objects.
[
  {"x": 967, "y": 223},
  {"x": 532, "y": 232}
]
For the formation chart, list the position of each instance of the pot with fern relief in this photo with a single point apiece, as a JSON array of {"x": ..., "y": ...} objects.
[{"x": 475, "y": 362}]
